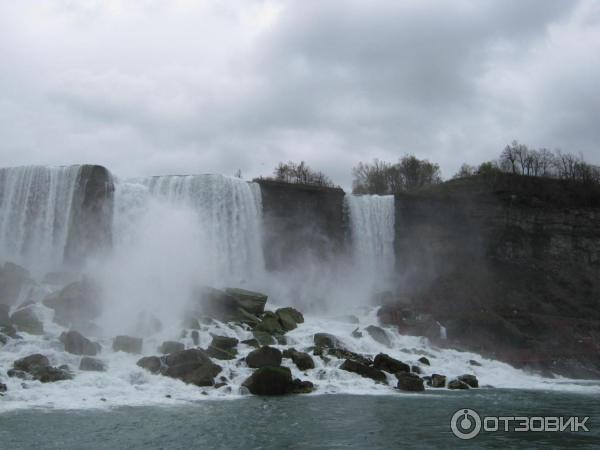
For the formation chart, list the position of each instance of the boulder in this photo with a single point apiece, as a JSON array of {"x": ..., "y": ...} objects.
[
  {"x": 253, "y": 302},
  {"x": 192, "y": 366},
  {"x": 415, "y": 369},
  {"x": 424, "y": 360},
  {"x": 195, "y": 337},
  {"x": 474, "y": 363},
  {"x": 150, "y": 363},
  {"x": 78, "y": 344},
  {"x": 357, "y": 334},
  {"x": 21, "y": 374},
  {"x": 326, "y": 340},
  {"x": 3, "y": 388},
  {"x": 437, "y": 381},
  {"x": 302, "y": 387},
  {"x": 409, "y": 382},
  {"x": 364, "y": 370},
  {"x": 470, "y": 380},
  {"x": 252, "y": 342},
  {"x": 223, "y": 347},
  {"x": 378, "y": 334},
  {"x": 389, "y": 364},
  {"x": 128, "y": 344},
  {"x": 92, "y": 364},
  {"x": 289, "y": 318},
  {"x": 269, "y": 323},
  {"x": 263, "y": 338},
  {"x": 171, "y": 346},
  {"x": 302, "y": 360},
  {"x": 263, "y": 357},
  {"x": 26, "y": 321},
  {"x": 75, "y": 304},
  {"x": 10, "y": 331},
  {"x": 12, "y": 280},
  {"x": 270, "y": 381},
  {"x": 51, "y": 374},
  {"x": 342, "y": 353},
  {"x": 457, "y": 384},
  {"x": 31, "y": 362}
]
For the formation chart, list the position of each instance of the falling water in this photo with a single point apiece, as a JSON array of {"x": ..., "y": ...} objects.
[
  {"x": 372, "y": 226},
  {"x": 35, "y": 212}
]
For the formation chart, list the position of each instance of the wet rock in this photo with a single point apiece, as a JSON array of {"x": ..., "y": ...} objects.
[
  {"x": 263, "y": 337},
  {"x": 302, "y": 360},
  {"x": 269, "y": 323},
  {"x": 415, "y": 369},
  {"x": 171, "y": 346},
  {"x": 251, "y": 342},
  {"x": 474, "y": 363},
  {"x": 409, "y": 382},
  {"x": 378, "y": 334},
  {"x": 78, "y": 344},
  {"x": 10, "y": 331},
  {"x": 342, "y": 353},
  {"x": 150, "y": 363},
  {"x": 75, "y": 304},
  {"x": 424, "y": 360},
  {"x": 470, "y": 380},
  {"x": 195, "y": 337},
  {"x": 363, "y": 370},
  {"x": 389, "y": 364},
  {"x": 220, "y": 385},
  {"x": 302, "y": 387},
  {"x": 326, "y": 340},
  {"x": 31, "y": 362},
  {"x": 12, "y": 279},
  {"x": 270, "y": 381},
  {"x": 263, "y": 357},
  {"x": 437, "y": 381},
  {"x": 128, "y": 344},
  {"x": 223, "y": 347},
  {"x": 51, "y": 374},
  {"x": 192, "y": 366},
  {"x": 357, "y": 334},
  {"x": 457, "y": 384},
  {"x": 289, "y": 318},
  {"x": 14, "y": 373},
  {"x": 26, "y": 320},
  {"x": 253, "y": 302},
  {"x": 3, "y": 388},
  {"x": 92, "y": 364}
]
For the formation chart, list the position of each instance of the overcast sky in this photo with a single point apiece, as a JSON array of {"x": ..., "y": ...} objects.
[{"x": 156, "y": 87}]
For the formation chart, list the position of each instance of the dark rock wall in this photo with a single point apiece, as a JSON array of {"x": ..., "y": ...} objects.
[
  {"x": 511, "y": 265},
  {"x": 90, "y": 228},
  {"x": 302, "y": 222}
]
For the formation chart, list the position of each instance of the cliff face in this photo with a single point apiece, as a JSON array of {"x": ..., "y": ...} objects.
[
  {"x": 91, "y": 214},
  {"x": 510, "y": 265},
  {"x": 301, "y": 222}
]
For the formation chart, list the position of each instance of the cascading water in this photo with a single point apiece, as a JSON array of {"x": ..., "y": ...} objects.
[
  {"x": 35, "y": 214},
  {"x": 372, "y": 227}
]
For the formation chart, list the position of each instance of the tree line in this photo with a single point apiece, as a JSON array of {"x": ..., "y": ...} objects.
[{"x": 411, "y": 173}]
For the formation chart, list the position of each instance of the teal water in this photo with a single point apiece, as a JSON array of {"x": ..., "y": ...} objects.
[{"x": 303, "y": 422}]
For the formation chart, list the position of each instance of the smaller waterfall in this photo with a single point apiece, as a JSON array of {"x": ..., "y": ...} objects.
[
  {"x": 35, "y": 214},
  {"x": 372, "y": 227}
]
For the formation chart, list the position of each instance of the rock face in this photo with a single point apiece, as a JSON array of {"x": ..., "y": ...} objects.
[
  {"x": 76, "y": 304},
  {"x": 25, "y": 320},
  {"x": 128, "y": 344},
  {"x": 300, "y": 222},
  {"x": 91, "y": 364},
  {"x": 389, "y": 364},
  {"x": 12, "y": 280},
  {"x": 364, "y": 370},
  {"x": 270, "y": 381},
  {"x": 263, "y": 357},
  {"x": 512, "y": 268},
  {"x": 77, "y": 344},
  {"x": 409, "y": 382}
]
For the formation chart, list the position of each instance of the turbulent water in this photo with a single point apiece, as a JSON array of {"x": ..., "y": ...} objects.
[{"x": 35, "y": 213}]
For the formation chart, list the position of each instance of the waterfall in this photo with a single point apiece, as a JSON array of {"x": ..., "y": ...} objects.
[
  {"x": 35, "y": 214},
  {"x": 227, "y": 211},
  {"x": 372, "y": 227}
]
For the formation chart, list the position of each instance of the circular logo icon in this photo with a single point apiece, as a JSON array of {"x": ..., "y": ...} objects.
[{"x": 465, "y": 424}]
